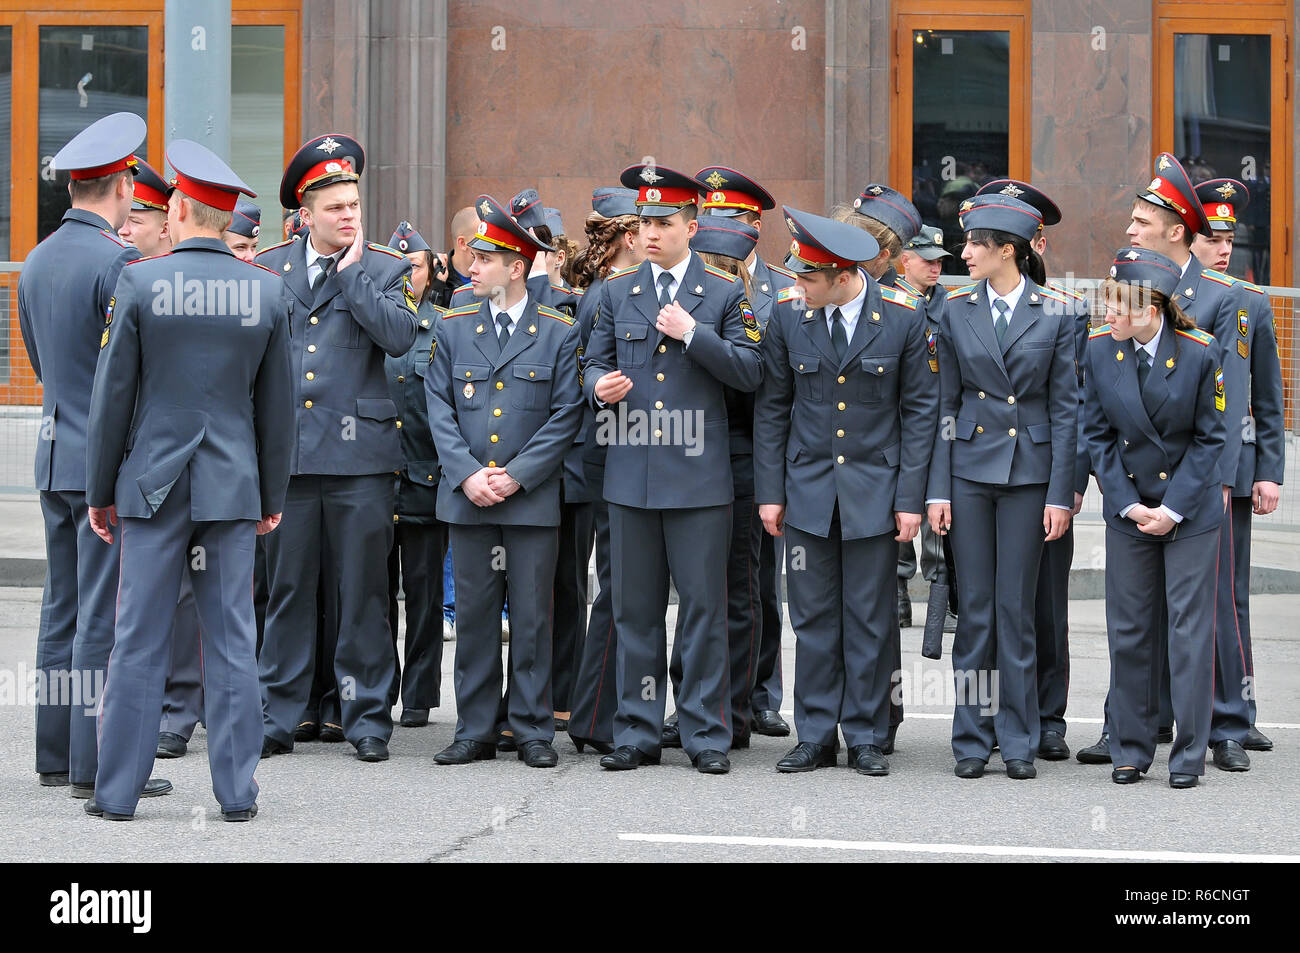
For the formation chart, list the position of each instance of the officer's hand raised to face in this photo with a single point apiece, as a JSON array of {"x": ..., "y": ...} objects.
[
  {"x": 612, "y": 387},
  {"x": 478, "y": 488},
  {"x": 354, "y": 250}
]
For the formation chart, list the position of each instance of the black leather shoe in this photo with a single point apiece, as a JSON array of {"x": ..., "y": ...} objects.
[
  {"x": 506, "y": 741},
  {"x": 710, "y": 762},
  {"x": 888, "y": 746},
  {"x": 561, "y": 724},
  {"x": 272, "y": 746},
  {"x": 1126, "y": 775},
  {"x": 1052, "y": 747},
  {"x": 154, "y": 787},
  {"x": 306, "y": 731},
  {"x": 1183, "y": 780},
  {"x": 1256, "y": 740},
  {"x": 769, "y": 722},
  {"x": 538, "y": 754},
  {"x": 868, "y": 759},
  {"x": 806, "y": 756},
  {"x": 904, "y": 613},
  {"x": 54, "y": 779},
  {"x": 740, "y": 741},
  {"x": 245, "y": 815},
  {"x": 1230, "y": 756},
  {"x": 414, "y": 717},
  {"x": 170, "y": 745},
  {"x": 1165, "y": 736},
  {"x": 94, "y": 810},
  {"x": 671, "y": 736},
  {"x": 1095, "y": 754},
  {"x": 463, "y": 752},
  {"x": 969, "y": 768},
  {"x": 600, "y": 747},
  {"x": 1021, "y": 770},
  {"x": 331, "y": 733},
  {"x": 372, "y": 749},
  {"x": 627, "y": 758}
]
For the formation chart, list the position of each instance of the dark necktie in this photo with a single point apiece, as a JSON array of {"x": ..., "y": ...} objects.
[
  {"x": 503, "y": 337},
  {"x": 839, "y": 337},
  {"x": 1001, "y": 321},
  {"x": 327, "y": 267},
  {"x": 1144, "y": 367},
  {"x": 665, "y": 299}
]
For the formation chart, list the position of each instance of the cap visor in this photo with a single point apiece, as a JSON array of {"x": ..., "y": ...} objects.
[{"x": 658, "y": 211}]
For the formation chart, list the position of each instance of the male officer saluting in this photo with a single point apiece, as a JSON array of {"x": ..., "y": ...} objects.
[
  {"x": 61, "y": 322},
  {"x": 668, "y": 337},
  {"x": 842, "y": 433},
  {"x": 186, "y": 451},
  {"x": 504, "y": 407},
  {"x": 350, "y": 302}
]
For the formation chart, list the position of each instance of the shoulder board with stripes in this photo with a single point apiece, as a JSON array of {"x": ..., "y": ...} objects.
[
  {"x": 1053, "y": 294},
  {"x": 274, "y": 247},
  {"x": 563, "y": 290},
  {"x": 898, "y": 297},
  {"x": 384, "y": 249},
  {"x": 1101, "y": 332},
  {"x": 780, "y": 271},
  {"x": 552, "y": 313},
  {"x": 576, "y": 292},
  {"x": 788, "y": 294},
  {"x": 263, "y": 267},
  {"x": 455, "y": 312},
  {"x": 1251, "y": 287},
  {"x": 719, "y": 273},
  {"x": 1219, "y": 277},
  {"x": 1061, "y": 289},
  {"x": 1197, "y": 335},
  {"x": 107, "y": 234},
  {"x": 440, "y": 310},
  {"x": 622, "y": 272},
  {"x": 151, "y": 258},
  {"x": 905, "y": 286},
  {"x": 962, "y": 291}
]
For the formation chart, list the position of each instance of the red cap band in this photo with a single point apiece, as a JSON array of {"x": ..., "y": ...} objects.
[
  {"x": 1221, "y": 212},
  {"x": 322, "y": 170},
  {"x": 817, "y": 256},
  {"x": 649, "y": 195},
  {"x": 500, "y": 237},
  {"x": 148, "y": 195},
  {"x": 720, "y": 198},
  {"x": 1174, "y": 198},
  {"x": 207, "y": 194},
  {"x": 102, "y": 170}
]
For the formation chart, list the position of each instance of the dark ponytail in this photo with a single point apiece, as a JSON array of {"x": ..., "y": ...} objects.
[{"x": 1028, "y": 262}]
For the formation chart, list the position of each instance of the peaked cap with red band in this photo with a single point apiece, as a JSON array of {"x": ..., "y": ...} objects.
[
  {"x": 322, "y": 161},
  {"x": 202, "y": 175},
  {"x": 498, "y": 231},
  {"x": 823, "y": 243},
  {"x": 1223, "y": 200},
  {"x": 660, "y": 191},
  {"x": 150, "y": 189},
  {"x": 731, "y": 193},
  {"x": 105, "y": 146},
  {"x": 1172, "y": 189}
]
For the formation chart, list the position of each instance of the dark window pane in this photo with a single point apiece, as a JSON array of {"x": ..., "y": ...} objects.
[
  {"x": 257, "y": 118},
  {"x": 1221, "y": 128},
  {"x": 961, "y": 112},
  {"x": 86, "y": 73}
]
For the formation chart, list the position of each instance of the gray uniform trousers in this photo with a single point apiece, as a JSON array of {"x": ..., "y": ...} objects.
[
  {"x": 767, "y": 679},
  {"x": 183, "y": 698},
  {"x": 594, "y": 697},
  {"x": 74, "y": 638},
  {"x": 1234, "y": 691},
  {"x": 574, "y": 560},
  {"x": 417, "y": 555},
  {"x": 530, "y": 554},
  {"x": 1052, "y": 631},
  {"x": 155, "y": 555},
  {"x": 1180, "y": 572}
]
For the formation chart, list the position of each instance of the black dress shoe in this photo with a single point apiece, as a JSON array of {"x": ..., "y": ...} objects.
[
  {"x": 1230, "y": 756},
  {"x": 1256, "y": 740},
  {"x": 247, "y": 814},
  {"x": 671, "y": 736},
  {"x": 154, "y": 787},
  {"x": 94, "y": 810},
  {"x": 506, "y": 741},
  {"x": 372, "y": 749},
  {"x": 538, "y": 754},
  {"x": 1095, "y": 754},
  {"x": 54, "y": 779},
  {"x": 969, "y": 768},
  {"x": 806, "y": 756},
  {"x": 627, "y": 758},
  {"x": 414, "y": 717},
  {"x": 769, "y": 722},
  {"x": 463, "y": 752},
  {"x": 306, "y": 731},
  {"x": 272, "y": 746},
  {"x": 1021, "y": 770},
  {"x": 1126, "y": 775},
  {"x": 740, "y": 741},
  {"x": 904, "y": 613},
  {"x": 868, "y": 759},
  {"x": 1182, "y": 780},
  {"x": 710, "y": 762},
  {"x": 1052, "y": 747},
  {"x": 888, "y": 746},
  {"x": 1165, "y": 736},
  {"x": 601, "y": 747},
  {"x": 170, "y": 745},
  {"x": 332, "y": 733}
]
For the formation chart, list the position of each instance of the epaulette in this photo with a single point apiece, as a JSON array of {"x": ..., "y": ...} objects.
[
  {"x": 1219, "y": 277},
  {"x": 1249, "y": 286},
  {"x": 439, "y": 309},
  {"x": 552, "y": 313},
  {"x": 719, "y": 273},
  {"x": 576, "y": 292},
  {"x": 454, "y": 312},
  {"x": 898, "y": 297},
  {"x": 1196, "y": 334},
  {"x": 1061, "y": 289},
  {"x": 150, "y": 258},
  {"x": 962, "y": 291},
  {"x": 781, "y": 271},
  {"x": 288, "y": 241},
  {"x": 789, "y": 294},
  {"x": 622, "y": 272},
  {"x": 107, "y": 234},
  {"x": 1054, "y": 295},
  {"x": 263, "y": 267},
  {"x": 384, "y": 249},
  {"x": 1101, "y": 332},
  {"x": 565, "y": 291}
]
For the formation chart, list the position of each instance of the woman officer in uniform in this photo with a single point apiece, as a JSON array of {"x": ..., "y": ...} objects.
[
  {"x": 1155, "y": 429},
  {"x": 1001, "y": 476}
]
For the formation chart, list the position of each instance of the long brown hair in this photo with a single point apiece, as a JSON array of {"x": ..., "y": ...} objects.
[
  {"x": 1138, "y": 295},
  {"x": 603, "y": 238}
]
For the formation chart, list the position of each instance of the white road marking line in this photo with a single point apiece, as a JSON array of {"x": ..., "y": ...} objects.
[
  {"x": 947, "y": 716},
  {"x": 988, "y": 850}
]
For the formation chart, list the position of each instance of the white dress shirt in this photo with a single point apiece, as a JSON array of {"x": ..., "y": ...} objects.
[
  {"x": 850, "y": 312},
  {"x": 316, "y": 261},
  {"x": 514, "y": 312}
]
